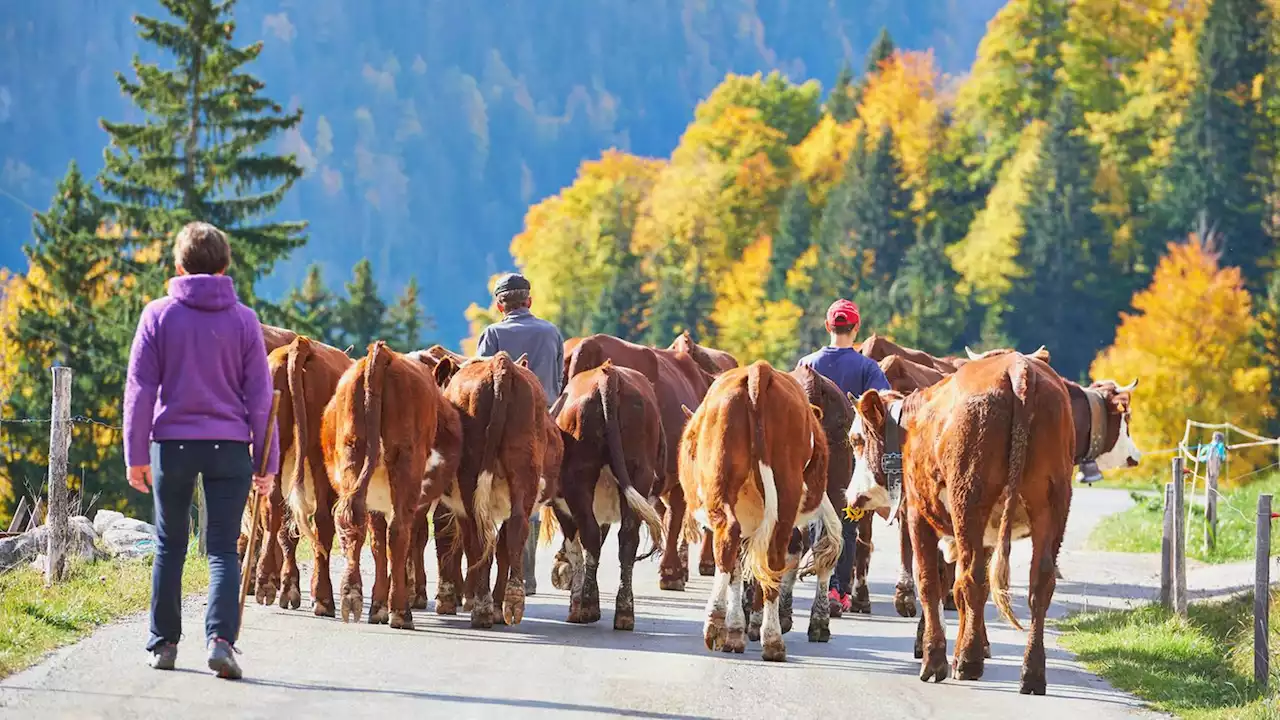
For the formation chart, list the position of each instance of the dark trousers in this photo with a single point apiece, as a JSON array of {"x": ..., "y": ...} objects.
[
  {"x": 228, "y": 473},
  {"x": 841, "y": 578}
]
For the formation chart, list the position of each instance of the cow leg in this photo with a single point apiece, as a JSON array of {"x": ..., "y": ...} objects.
[
  {"x": 624, "y": 609},
  {"x": 904, "y": 593},
  {"x": 753, "y": 605},
  {"x": 379, "y": 613},
  {"x": 399, "y": 541},
  {"x": 860, "y": 602},
  {"x": 269, "y": 561},
  {"x": 584, "y": 603},
  {"x": 448, "y": 561},
  {"x": 421, "y": 533},
  {"x": 321, "y": 582},
  {"x": 971, "y": 593},
  {"x": 476, "y": 583},
  {"x": 563, "y": 569},
  {"x": 707, "y": 556},
  {"x": 948, "y": 582},
  {"x": 352, "y": 584},
  {"x": 503, "y": 561},
  {"x": 794, "y": 552},
  {"x": 1046, "y": 539},
  {"x": 728, "y": 542},
  {"x": 517, "y": 537},
  {"x": 774, "y": 647},
  {"x": 291, "y": 586},
  {"x": 713, "y": 632},
  {"x": 672, "y": 571},
  {"x": 934, "y": 639}
]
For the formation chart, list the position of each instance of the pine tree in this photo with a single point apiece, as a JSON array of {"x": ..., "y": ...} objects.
[
  {"x": 618, "y": 312},
  {"x": 928, "y": 314},
  {"x": 362, "y": 313},
  {"x": 195, "y": 155},
  {"x": 881, "y": 210},
  {"x": 794, "y": 236},
  {"x": 311, "y": 307},
  {"x": 841, "y": 104},
  {"x": 1067, "y": 300},
  {"x": 73, "y": 318},
  {"x": 1267, "y": 342},
  {"x": 406, "y": 322},
  {"x": 1220, "y": 169},
  {"x": 881, "y": 49}
]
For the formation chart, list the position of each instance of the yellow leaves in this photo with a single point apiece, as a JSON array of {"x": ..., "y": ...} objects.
[
  {"x": 800, "y": 278},
  {"x": 751, "y": 327},
  {"x": 986, "y": 257},
  {"x": 14, "y": 296},
  {"x": 903, "y": 97},
  {"x": 820, "y": 158},
  {"x": 1190, "y": 345},
  {"x": 735, "y": 135}
]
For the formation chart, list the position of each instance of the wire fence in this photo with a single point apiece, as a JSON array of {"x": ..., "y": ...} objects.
[{"x": 1207, "y": 465}]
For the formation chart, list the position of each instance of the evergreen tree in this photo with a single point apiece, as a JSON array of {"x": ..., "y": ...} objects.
[
  {"x": 1220, "y": 169},
  {"x": 795, "y": 234},
  {"x": 622, "y": 301},
  {"x": 928, "y": 314},
  {"x": 406, "y": 321},
  {"x": 881, "y": 212},
  {"x": 362, "y": 313},
  {"x": 841, "y": 104},
  {"x": 1067, "y": 300},
  {"x": 311, "y": 307},
  {"x": 881, "y": 49},
  {"x": 195, "y": 155},
  {"x": 72, "y": 318}
]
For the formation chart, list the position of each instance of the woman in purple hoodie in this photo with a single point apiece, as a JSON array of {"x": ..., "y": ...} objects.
[{"x": 197, "y": 396}]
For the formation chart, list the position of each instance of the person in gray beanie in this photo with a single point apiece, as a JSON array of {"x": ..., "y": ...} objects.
[{"x": 520, "y": 332}]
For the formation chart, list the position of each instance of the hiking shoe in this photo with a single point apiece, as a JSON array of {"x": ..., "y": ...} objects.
[
  {"x": 163, "y": 656},
  {"x": 222, "y": 659},
  {"x": 840, "y": 602}
]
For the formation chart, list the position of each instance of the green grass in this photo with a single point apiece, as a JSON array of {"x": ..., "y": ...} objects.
[
  {"x": 1139, "y": 529},
  {"x": 35, "y": 620},
  {"x": 1199, "y": 668}
]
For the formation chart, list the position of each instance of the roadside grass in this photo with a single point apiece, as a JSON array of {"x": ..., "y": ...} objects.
[
  {"x": 35, "y": 620},
  {"x": 1140, "y": 528},
  {"x": 1200, "y": 668}
]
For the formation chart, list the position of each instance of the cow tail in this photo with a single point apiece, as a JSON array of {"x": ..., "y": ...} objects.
[
  {"x": 757, "y": 554},
  {"x": 299, "y": 353},
  {"x": 1023, "y": 380},
  {"x": 550, "y": 525},
  {"x": 610, "y": 395},
  {"x": 485, "y": 525},
  {"x": 350, "y": 508}
]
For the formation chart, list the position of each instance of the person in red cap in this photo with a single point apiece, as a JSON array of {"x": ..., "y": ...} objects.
[{"x": 854, "y": 373}]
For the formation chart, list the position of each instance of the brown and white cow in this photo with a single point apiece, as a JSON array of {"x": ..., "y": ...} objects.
[
  {"x": 753, "y": 466},
  {"x": 501, "y": 478},
  {"x": 613, "y": 459},
  {"x": 678, "y": 382},
  {"x": 378, "y": 433},
  {"x": 306, "y": 373},
  {"x": 981, "y": 458}
]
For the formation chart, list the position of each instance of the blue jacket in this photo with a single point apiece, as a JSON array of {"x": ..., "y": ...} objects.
[{"x": 520, "y": 332}]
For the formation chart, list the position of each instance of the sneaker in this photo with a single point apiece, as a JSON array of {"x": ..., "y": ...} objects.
[
  {"x": 840, "y": 602},
  {"x": 222, "y": 659},
  {"x": 163, "y": 656}
]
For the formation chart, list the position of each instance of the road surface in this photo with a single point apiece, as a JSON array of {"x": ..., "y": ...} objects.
[{"x": 297, "y": 665}]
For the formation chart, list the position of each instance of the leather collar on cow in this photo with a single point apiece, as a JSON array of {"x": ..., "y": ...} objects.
[
  {"x": 1097, "y": 426},
  {"x": 891, "y": 460}
]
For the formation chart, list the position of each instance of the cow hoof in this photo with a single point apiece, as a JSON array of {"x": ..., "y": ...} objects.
[
  {"x": 835, "y": 609},
  {"x": 819, "y": 632},
  {"x": 785, "y": 622},
  {"x": 322, "y": 607},
  {"x": 591, "y": 613},
  {"x": 378, "y": 614},
  {"x": 904, "y": 602},
  {"x": 986, "y": 651},
  {"x": 949, "y": 603},
  {"x": 562, "y": 575},
  {"x": 625, "y": 622},
  {"x": 967, "y": 669},
  {"x": 860, "y": 607},
  {"x": 735, "y": 641},
  {"x": 468, "y": 604},
  {"x": 1032, "y": 684},
  {"x": 420, "y": 601},
  {"x": 753, "y": 634},
  {"x": 482, "y": 614},
  {"x": 352, "y": 606},
  {"x": 402, "y": 621},
  {"x": 775, "y": 651},
  {"x": 935, "y": 669},
  {"x": 266, "y": 592},
  {"x": 917, "y": 651},
  {"x": 513, "y": 604},
  {"x": 707, "y": 569},
  {"x": 672, "y": 584},
  {"x": 713, "y": 632},
  {"x": 446, "y": 606}
]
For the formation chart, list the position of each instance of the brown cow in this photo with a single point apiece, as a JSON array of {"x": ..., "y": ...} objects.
[
  {"x": 501, "y": 477},
  {"x": 753, "y": 466},
  {"x": 982, "y": 458},
  {"x": 677, "y": 381},
  {"x": 607, "y": 476},
  {"x": 878, "y": 348},
  {"x": 274, "y": 337},
  {"x": 377, "y": 453},
  {"x": 306, "y": 373},
  {"x": 709, "y": 359},
  {"x": 906, "y": 375}
]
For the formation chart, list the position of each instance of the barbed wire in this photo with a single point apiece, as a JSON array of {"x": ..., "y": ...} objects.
[{"x": 74, "y": 419}]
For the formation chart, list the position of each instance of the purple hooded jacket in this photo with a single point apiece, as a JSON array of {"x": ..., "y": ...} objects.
[{"x": 198, "y": 371}]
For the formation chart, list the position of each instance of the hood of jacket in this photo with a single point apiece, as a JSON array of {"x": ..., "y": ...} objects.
[{"x": 203, "y": 292}]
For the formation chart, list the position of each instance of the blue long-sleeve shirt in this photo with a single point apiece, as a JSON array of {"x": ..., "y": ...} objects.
[
  {"x": 850, "y": 370},
  {"x": 520, "y": 332}
]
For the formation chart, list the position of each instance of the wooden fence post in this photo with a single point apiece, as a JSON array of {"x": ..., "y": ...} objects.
[
  {"x": 19, "y": 514},
  {"x": 1262, "y": 593},
  {"x": 202, "y": 518},
  {"x": 37, "y": 513},
  {"x": 1179, "y": 540},
  {"x": 59, "y": 495},
  {"x": 1213, "y": 469},
  {"x": 1166, "y": 551}
]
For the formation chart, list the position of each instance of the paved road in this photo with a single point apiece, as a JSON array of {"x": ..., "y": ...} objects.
[{"x": 301, "y": 666}]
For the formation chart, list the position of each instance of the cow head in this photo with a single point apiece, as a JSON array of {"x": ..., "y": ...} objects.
[
  {"x": 869, "y": 489},
  {"x": 1120, "y": 450}
]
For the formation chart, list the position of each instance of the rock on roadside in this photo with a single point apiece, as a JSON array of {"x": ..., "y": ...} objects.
[{"x": 28, "y": 546}]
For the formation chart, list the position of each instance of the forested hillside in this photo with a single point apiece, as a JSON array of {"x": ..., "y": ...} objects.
[{"x": 430, "y": 125}]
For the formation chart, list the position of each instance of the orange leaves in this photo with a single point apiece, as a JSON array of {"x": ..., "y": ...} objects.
[
  {"x": 1190, "y": 343},
  {"x": 903, "y": 96}
]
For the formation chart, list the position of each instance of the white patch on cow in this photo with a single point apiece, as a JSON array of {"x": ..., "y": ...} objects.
[
  {"x": 944, "y": 497},
  {"x": 863, "y": 486},
  {"x": 719, "y": 588},
  {"x": 453, "y": 500},
  {"x": 701, "y": 516},
  {"x": 542, "y": 486},
  {"x": 771, "y": 628},
  {"x": 604, "y": 500},
  {"x": 947, "y": 544},
  {"x": 735, "y": 618},
  {"x": 435, "y": 461},
  {"x": 378, "y": 499},
  {"x": 1121, "y": 453}
]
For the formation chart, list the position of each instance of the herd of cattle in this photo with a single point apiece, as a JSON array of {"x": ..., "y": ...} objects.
[{"x": 751, "y": 462}]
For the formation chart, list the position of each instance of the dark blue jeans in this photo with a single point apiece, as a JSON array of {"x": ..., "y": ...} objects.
[{"x": 228, "y": 473}]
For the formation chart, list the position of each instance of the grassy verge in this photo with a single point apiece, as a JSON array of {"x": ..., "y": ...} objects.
[
  {"x": 1139, "y": 529},
  {"x": 1199, "y": 668},
  {"x": 35, "y": 620}
]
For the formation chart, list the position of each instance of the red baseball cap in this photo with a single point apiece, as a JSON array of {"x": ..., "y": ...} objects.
[{"x": 843, "y": 313}]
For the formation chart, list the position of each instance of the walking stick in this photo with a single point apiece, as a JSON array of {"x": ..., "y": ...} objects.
[{"x": 253, "y": 498}]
